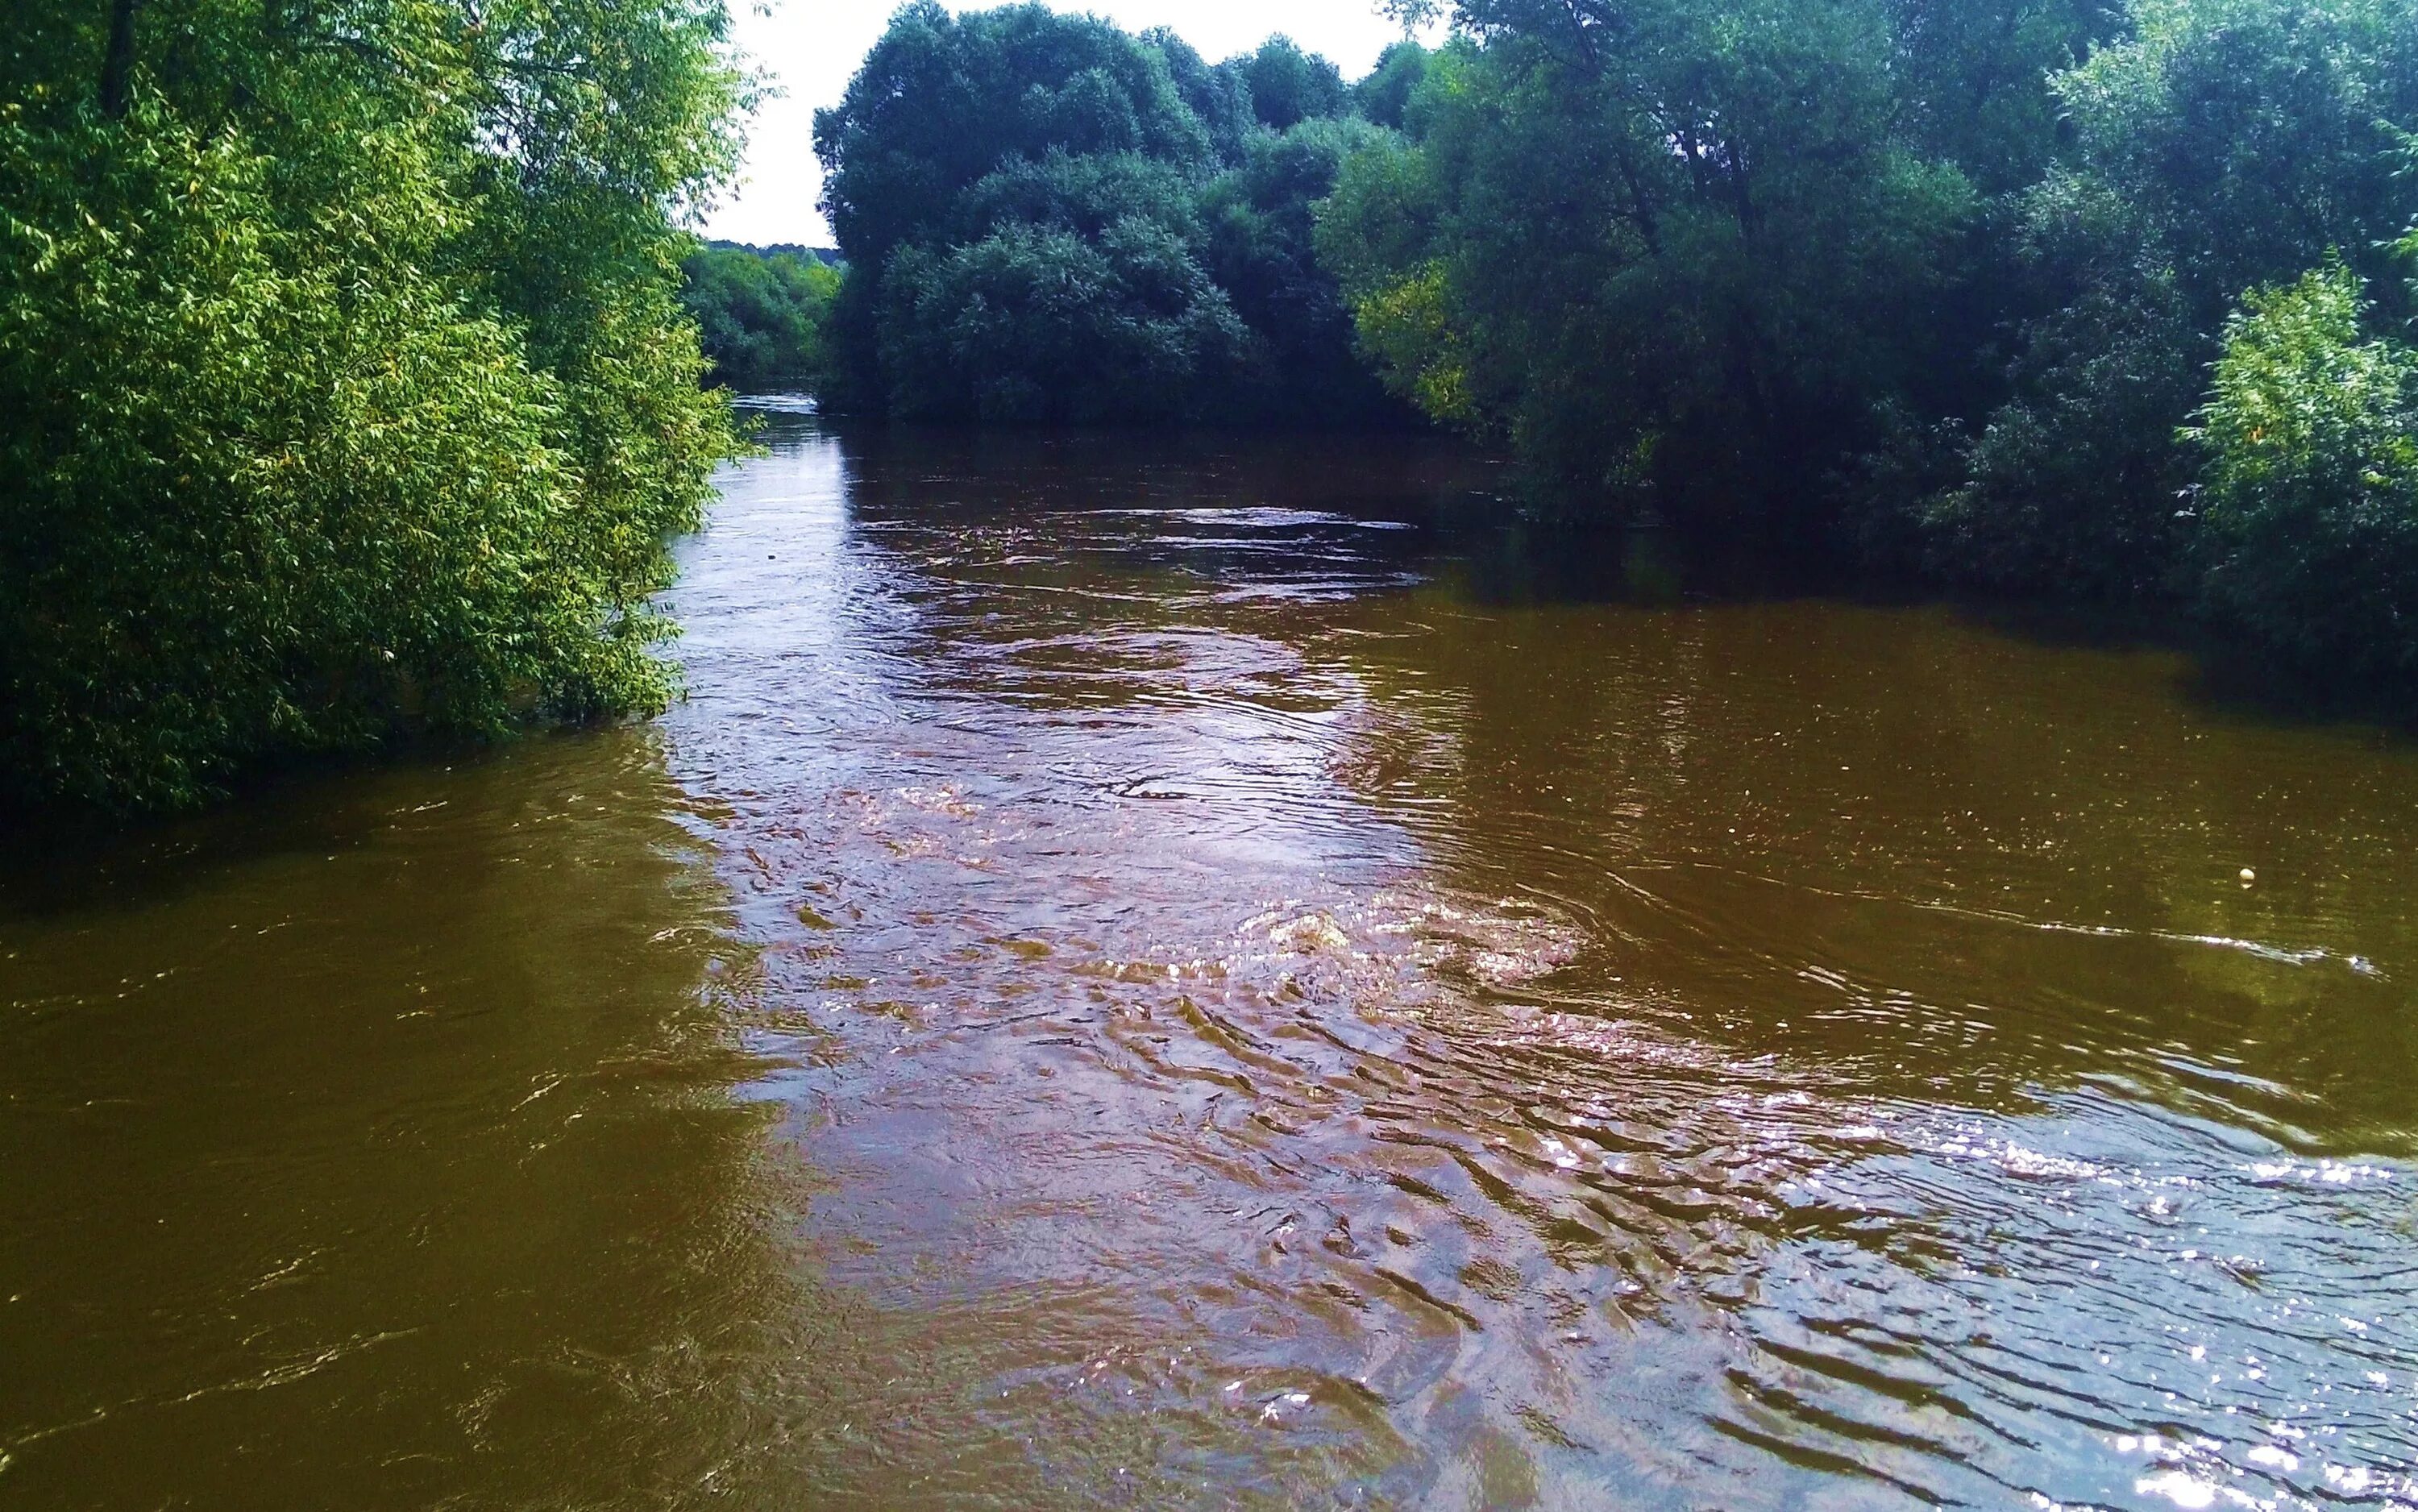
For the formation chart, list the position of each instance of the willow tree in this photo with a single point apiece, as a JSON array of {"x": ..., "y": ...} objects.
[
  {"x": 344, "y": 393},
  {"x": 1675, "y": 253}
]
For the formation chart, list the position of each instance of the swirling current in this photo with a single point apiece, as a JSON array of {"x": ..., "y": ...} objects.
[{"x": 1213, "y": 973}]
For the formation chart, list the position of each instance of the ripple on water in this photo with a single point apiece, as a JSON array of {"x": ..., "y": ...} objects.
[
  {"x": 1333, "y": 1075},
  {"x": 1185, "y": 972}
]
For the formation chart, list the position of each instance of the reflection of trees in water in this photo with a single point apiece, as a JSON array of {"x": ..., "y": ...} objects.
[
  {"x": 939, "y": 475},
  {"x": 1090, "y": 568},
  {"x": 1888, "y": 841},
  {"x": 1884, "y": 837}
]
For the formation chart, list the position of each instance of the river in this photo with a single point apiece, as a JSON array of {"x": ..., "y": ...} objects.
[{"x": 1197, "y": 973}]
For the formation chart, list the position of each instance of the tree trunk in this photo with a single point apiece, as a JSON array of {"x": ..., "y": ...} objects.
[{"x": 117, "y": 63}]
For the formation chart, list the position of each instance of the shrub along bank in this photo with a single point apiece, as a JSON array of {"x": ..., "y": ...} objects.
[
  {"x": 345, "y": 393},
  {"x": 2095, "y": 300},
  {"x": 2047, "y": 298}
]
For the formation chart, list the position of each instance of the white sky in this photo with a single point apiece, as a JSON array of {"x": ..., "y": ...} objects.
[{"x": 811, "y": 47}]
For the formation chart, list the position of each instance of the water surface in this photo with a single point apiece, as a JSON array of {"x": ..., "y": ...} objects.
[{"x": 1187, "y": 973}]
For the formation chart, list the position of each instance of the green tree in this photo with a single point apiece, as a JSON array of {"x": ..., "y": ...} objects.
[
  {"x": 1289, "y": 86},
  {"x": 1258, "y": 235},
  {"x": 1046, "y": 218},
  {"x": 1219, "y": 94},
  {"x": 942, "y": 103},
  {"x": 1071, "y": 294},
  {"x": 2220, "y": 146},
  {"x": 1672, "y": 254},
  {"x": 1384, "y": 98},
  {"x": 343, "y": 392},
  {"x": 1033, "y": 323},
  {"x": 2309, "y": 499},
  {"x": 759, "y": 315},
  {"x": 2072, "y": 487}
]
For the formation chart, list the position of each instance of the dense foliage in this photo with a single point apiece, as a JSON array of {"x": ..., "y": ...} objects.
[
  {"x": 759, "y": 312},
  {"x": 349, "y": 352},
  {"x": 2310, "y": 500},
  {"x": 2220, "y": 146},
  {"x": 1048, "y": 218},
  {"x": 1676, "y": 252},
  {"x": 2000, "y": 291},
  {"x": 344, "y": 388}
]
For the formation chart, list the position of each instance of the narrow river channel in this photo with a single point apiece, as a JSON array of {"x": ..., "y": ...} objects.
[{"x": 1151, "y": 973}]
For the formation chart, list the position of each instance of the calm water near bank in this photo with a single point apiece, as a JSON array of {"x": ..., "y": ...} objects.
[{"x": 1172, "y": 974}]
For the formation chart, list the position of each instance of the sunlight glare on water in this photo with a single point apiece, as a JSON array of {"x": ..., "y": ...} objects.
[{"x": 1201, "y": 972}]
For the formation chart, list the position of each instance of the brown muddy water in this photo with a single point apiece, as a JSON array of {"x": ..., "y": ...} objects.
[{"x": 1147, "y": 974}]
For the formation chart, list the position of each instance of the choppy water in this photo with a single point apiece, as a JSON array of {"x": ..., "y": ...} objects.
[{"x": 1148, "y": 973}]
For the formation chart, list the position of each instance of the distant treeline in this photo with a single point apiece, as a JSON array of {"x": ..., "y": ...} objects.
[
  {"x": 798, "y": 249},
  {"x": 760, "y": 311},
  {"x": 1047, "y": 219},
  {"x": 2105, "y": 300}
]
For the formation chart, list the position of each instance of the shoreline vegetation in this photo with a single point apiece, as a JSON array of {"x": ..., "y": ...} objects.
[
  {"x": 2104, "y": 309},
  {"x": 760, "y": 311},
  {"x": 346, "y": 395},
  {"x": 356, "y": 367},
  {"x": 1048, "y": 219},
  {"x": 2099, "y": 306}
]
